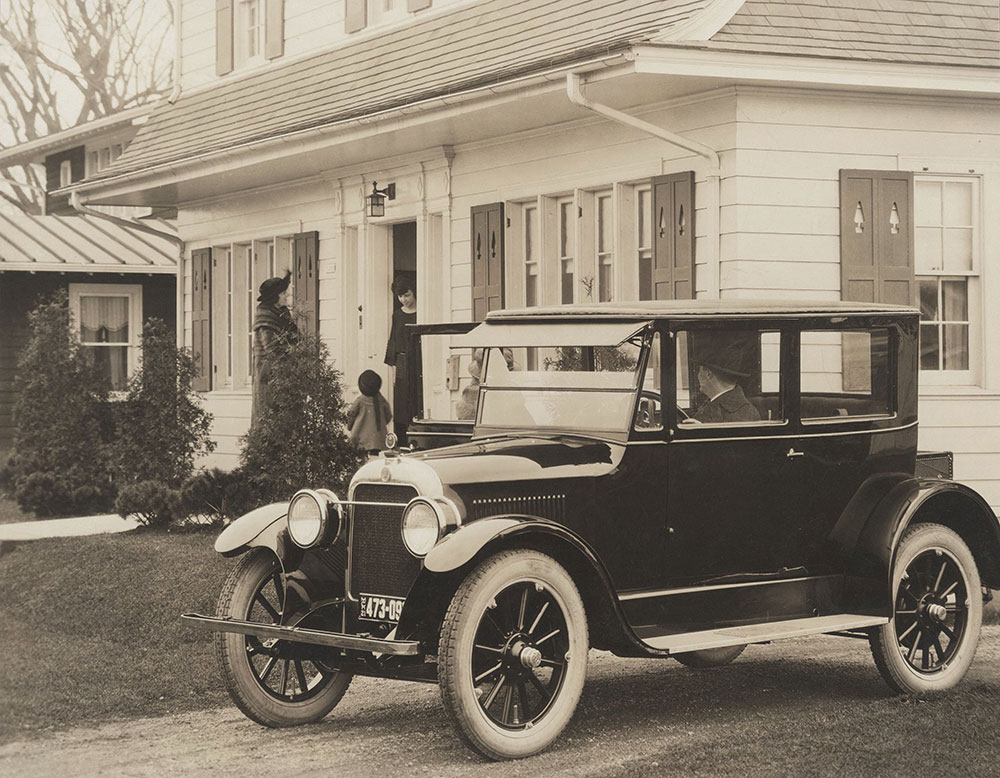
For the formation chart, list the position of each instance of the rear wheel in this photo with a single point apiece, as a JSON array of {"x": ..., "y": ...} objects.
[
  {"x": 271, "y": 681},
  {"x": 512, "y": 657},
  {"x": 931, "y": 638},
  {"x": 709, "y": 657}
]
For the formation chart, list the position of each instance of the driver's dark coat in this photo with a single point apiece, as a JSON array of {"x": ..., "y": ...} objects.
[{"x": 728, "y": 406}]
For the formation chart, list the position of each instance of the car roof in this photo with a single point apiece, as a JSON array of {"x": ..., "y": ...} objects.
[{"x": 654, "y": 309}]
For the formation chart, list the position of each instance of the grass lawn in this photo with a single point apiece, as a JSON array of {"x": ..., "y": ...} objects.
[{"x": 91, "y": 629}]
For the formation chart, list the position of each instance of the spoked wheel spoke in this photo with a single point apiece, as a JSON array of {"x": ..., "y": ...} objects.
[{"x": 518, "y": 655}]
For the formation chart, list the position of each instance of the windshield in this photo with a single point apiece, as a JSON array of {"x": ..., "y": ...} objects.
[{"x": 581, "y": 388}]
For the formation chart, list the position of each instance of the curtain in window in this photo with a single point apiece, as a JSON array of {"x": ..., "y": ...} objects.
[{"x": 104, "y": 320}]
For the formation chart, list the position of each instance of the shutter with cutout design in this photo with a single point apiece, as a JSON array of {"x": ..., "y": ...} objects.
[
  {"x": 201, "y": 318},
  {"x": 876, "y": 236},
  {"x": 305, "y": 272},
  {"x": 673, "y": 236},
  {"x": 487, "y": 259}
]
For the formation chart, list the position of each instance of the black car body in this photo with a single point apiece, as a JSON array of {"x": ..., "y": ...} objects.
[{"x": 588, "y": 505}]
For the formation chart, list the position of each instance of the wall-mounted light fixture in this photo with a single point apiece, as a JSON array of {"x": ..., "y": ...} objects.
[{"x": 376, "y": 200}]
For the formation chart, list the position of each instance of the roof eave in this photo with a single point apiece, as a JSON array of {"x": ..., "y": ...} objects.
[
  {"x": 75, "y": 269},
  {"x": 684, "y": 59}
]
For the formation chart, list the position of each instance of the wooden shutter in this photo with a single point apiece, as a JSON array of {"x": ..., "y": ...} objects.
[
  {"x": 876, "y": 236},
  {"x": 223, "y": 36},
  {"x": 306, "y": 276},
  {"x": 417, "y": 5},
  {"x": 355, "y": 15},
  {"x": 274, "y": 28},
  {"x": 487, "y": 259},
  {"x": 673, "y": 236},
  {"x": 201, "y": 318}
]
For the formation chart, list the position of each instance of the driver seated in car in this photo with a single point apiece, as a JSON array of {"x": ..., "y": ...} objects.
[{"x": 719, "y": 373}]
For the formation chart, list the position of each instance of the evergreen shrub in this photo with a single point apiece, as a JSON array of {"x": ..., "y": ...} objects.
[
  {"x": 299, "y": 439},
  {"x": 160, "y": 426},
  {"x": 152, "y": 502},
  {"x": 59, "y": 461}
]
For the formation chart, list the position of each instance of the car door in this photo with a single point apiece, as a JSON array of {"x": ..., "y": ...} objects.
[{"x": 732, "y": 493}]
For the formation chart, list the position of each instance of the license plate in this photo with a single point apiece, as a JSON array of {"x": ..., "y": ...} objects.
[{"x": 375, "y": 607}]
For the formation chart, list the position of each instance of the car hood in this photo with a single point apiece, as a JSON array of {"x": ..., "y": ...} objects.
[{"x": 522, "y": 458}]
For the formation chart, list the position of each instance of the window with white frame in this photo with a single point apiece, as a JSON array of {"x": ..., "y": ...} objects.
[
  {"x": 108, "y": 318},
  {"x": 530, "y": 253},
  {"x": 382, "y": 11},
  {"x": 238, "y": 271},
  {"x": 249, "y": 31},
  {"x": 947, "y": 237},
  {"x": 98, "y": 159},
  {"x": 65, "y": 173},
  {"x": 644, "y": 241},
  {"x": 605, "y": 243},
  {"x": 567, "y": 249}
]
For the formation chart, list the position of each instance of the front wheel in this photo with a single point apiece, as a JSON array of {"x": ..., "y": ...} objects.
[
  {"x": 512, "y": 656},
  {"x": 931, "y": 638},
  {"x": 270, "y": 680}
]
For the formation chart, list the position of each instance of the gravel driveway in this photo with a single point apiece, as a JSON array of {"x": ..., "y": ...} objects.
[{"x": 811, "y": 706}]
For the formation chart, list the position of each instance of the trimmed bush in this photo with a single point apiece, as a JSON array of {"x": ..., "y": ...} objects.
[
  {"x": 160, "y": 426},
  {"x": 299, "y": 439},
  {"x": 59, "y": 463},
  {"x": 217, "y": 496},
  {"x": 153, "y": 503}
]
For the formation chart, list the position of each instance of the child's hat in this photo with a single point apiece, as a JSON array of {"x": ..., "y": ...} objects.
[{"x": 369, "y": 382}]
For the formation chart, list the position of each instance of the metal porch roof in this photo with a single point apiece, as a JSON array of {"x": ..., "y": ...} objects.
[{"x": 80, "y": 244}]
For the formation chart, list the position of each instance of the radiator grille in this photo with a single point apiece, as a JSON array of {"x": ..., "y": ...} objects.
[
  {"x": 548, "y": 506},
  {"x": 380, "y": 564}
]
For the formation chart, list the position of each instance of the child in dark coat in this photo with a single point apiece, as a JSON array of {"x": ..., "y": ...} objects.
[{"x": 370, "y": 415}]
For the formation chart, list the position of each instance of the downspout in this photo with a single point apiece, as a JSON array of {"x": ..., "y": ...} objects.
[{"x": 574, "y": 91}]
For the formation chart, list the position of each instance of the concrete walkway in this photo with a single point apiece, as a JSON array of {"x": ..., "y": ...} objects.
[{"x": 65, "y": 528}]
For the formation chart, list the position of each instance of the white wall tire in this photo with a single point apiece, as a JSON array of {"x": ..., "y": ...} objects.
[
  {"x": 512, "y": 657},
  {"x": 930, "y": 641},
  {"x": 269, "y": 689}
]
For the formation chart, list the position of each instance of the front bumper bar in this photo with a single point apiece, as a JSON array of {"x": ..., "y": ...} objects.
[{"x": 301, "y": 635}]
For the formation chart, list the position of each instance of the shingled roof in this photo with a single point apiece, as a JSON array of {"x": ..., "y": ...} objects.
[
  {"x": 80, "y": 244},
  {"x": 475, "y": 45},
  {"x": 487, "y": 42},
  {"x": 942, "y": 32}
]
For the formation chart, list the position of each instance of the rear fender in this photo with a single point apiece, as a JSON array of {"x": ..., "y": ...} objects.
[{"x": 870, "y": 530}]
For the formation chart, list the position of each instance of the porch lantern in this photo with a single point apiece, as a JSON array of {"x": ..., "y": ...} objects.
[{"x": 376, "y": 200}]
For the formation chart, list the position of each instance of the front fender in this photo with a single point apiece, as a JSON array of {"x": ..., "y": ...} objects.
[
  {"x": 260, "y": 527},
  {"x": 462, "y": 545}
]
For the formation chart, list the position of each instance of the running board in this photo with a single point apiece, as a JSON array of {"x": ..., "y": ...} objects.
[{"x": 761, "y": 633}]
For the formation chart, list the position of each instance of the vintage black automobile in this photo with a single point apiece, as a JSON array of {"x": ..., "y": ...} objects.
[{"x": 656, "y": 480}]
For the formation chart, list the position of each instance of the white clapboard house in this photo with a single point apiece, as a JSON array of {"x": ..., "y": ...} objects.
[{"x": 556, "y": 151}]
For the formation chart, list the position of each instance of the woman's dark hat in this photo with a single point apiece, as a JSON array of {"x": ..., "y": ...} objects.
[
  {"x": 272, "y": 287},
  {"x": 369, "y": 382}
]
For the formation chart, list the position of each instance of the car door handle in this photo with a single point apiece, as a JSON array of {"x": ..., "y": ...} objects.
[{"x": 792, "y": 453}]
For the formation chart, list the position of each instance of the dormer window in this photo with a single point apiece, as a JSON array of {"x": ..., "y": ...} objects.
[
  {"x": 99, "y": 159},
  {"x": 247, "y": 33},
  {"x": 65, "y": 173},
  {"x": 250, "y": 26}
]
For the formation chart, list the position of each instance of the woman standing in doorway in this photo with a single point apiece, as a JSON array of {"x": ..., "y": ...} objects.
[{"x": 403, "y": 289}]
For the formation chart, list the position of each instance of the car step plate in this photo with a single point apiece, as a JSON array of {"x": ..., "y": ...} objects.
[{"x": 762, "y": 633}]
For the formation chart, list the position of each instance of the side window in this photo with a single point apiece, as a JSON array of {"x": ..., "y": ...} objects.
[
  {"x": 728, "y": 377},
  {"x": 649, "y": 414},
  {"x": 845, "y": 373}
]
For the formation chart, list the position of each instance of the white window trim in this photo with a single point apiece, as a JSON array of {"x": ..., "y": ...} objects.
[
  {"x": 241, "y": 60},
  {"x": 134, "y": 294},
  {"x": 931, "y": 380},
  {"x": 65, "y": 173}
]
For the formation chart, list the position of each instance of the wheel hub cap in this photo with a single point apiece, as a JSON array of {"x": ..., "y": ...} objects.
[
  {"x": 937, "y": 612},
  {"x": 531, "y": 657}
]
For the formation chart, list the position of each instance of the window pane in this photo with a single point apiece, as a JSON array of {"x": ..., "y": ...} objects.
[
  {"x": 645, "y": 276},
  {"x": 565, "y": 238},
  {"x": 645, "y": 235},
  {"x": 958, "y": 203},
  {"x": 103, "y": 319},
  {"x": 928, "y": 298},
  {"x": 955, "y": 300},
  {"x": 604, "y": 282},
  {"x": 728, "y": 377},
  {"x": 530, "y": 234},
  {"x": 603, "y": 224},
  {"x": 927, "y": 202},
  {"x": 567, "y": 281},
  {"x": 845, "y": 373},
  {"x": 956, "y": 347},
  {"x": 530, "y": 288},
  {"x": 927, "y": 248},
  {"x": 958, "y": 249},
  {"x": 112, "y": 365},
  {"x": 929, "y": 349}
]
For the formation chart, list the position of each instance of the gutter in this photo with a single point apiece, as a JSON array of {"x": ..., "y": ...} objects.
[{"x": 574, "y": 91}]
